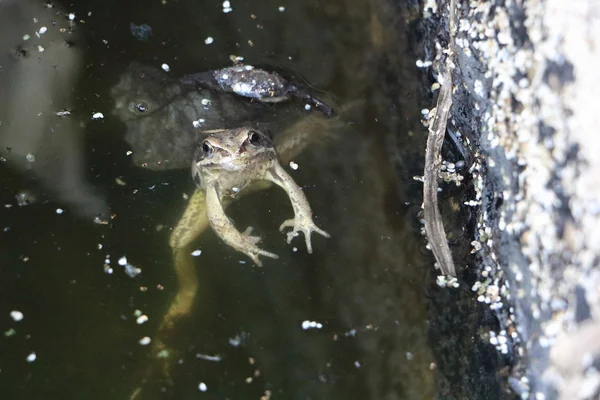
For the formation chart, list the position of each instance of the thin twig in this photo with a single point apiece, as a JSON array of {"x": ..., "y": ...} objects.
[{"x": 434, "y": 227}]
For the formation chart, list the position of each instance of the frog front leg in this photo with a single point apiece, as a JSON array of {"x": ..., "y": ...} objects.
[
  {"x": 224, "y": 228},
  {"x": 302, "y": 221}
]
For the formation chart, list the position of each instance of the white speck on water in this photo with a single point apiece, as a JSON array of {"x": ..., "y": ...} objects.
[
  {"x": 307, "y": 107},
  {"x": 43, "y": 30},
  {"x": 141, "y": 319},
  {"x": 198, "y": 123},
  {"x": 294, "y": 249},
  {"x": 40, "y": 49},
  {"x": 205, "y": 102},
  {"x": 196, "y": 253},
  {"x": 145, "y": 341},
  {"x": 235, "y": 189},
  {"x": 98, "y": 115},
  {"x": 281, "y": 9},
  {"x": 31, "y": 357},
  {"x": 129, "y": 152},
  {"x": 123, "y": 261},
  {"x": 59, "y": 211},
  {"x": 16, "y": 315},
  {"x": 132, "y": 271},
  {"x": 207, "y": 357},
  {"x": 30, "y": 158},
  {"x": 71, "y": 17},
  {"x": 357, "y": 364},
  {"x": 202, "y": 387},
  {"x": 26, "y": 37},
  {"x": 311, "y": 325},
  {"x": 165, "y": 67},
  {"x": 209, "y": 40},
  {"x": 293, "y": 165},
  {"x": 425, "y": 111}
]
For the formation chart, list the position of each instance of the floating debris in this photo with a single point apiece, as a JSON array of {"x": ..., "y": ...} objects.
[
  {"x": 60, "y": 211},
  {"x": 227, "y": 7},
  {"x": 209, "y": 40},
  {"x": 140, "y": 32},
  {"x": 202, "y": 386},
  {"x": 16, "y": 315},
  {"x": 196, "y": 253},
  {"x": 311, "y": 325},
  {"x": 198, "y": 123},
  {"x": 31, "y": 357},
  {"x": 166, "y": 67},
  {"x": 145, "y": 341},
  {"x": 97, "y": 115},
  {"x": 141, "y": 319},
  {"x": 207, "y": 357}
]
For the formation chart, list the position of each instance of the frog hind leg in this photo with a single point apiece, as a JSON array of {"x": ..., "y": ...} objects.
[{"x": 190, "y": 226}]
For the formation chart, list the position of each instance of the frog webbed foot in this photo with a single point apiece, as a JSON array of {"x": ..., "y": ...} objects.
[
  {"x": 305, "y": 225},
  {"x": 249, "y": 247}
]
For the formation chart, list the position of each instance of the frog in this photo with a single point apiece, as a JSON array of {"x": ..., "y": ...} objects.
[{"x": 226, "y": 164}]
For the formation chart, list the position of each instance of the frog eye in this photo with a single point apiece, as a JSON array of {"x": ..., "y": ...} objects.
[
  {"x": 254, "y": 137},
  {"x": 206, "y": 148}
]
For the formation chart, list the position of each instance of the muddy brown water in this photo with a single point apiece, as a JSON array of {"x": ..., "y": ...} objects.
[{"x": 371, "y": 285}]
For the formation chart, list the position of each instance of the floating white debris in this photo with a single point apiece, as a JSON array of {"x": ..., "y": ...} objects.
[
  {"x": 26, "y": 37},
  {"x": 196, "y": 253},
  {"x": 281, "y": 9},
  {"x": 208, "y": 357},
  {"x": 16, "y": 315},
  {"x": 107, "y": 269},
  {"x": 424, "y": 64},
  {"x": 123, "y": 261},
  {"x": 198, "y": 123},
  {"x": 205, "y": 102},
  {"x": 71, "y": 17},
  {"x": 129, "y": 152},
  {"x": 227, "y": 7},
  {"x": 294, "y": 249},
  {"x": 311, "y": 325},
  {"x": 209, "y": 40},
  {"x": 59, "y": 211},
  {"x": 307, "y": 107},
  {"x": 30, "y": 157},
  {"x": 40, "y": 48},
  {"x": 145, "y": 341},
  {"x": 165, "y": 67},
  {"x": 202, "y": 386},
  {"x": 98, "y": 115},
  {"x": 31, "y": 357},
  {"x": 235, "y": 189},
  {"x": 141, "y": 319},
  {"x": 132, "y": 271},
  {"x": 293, "y": 165},
  {"x": 43, "y": 30}
]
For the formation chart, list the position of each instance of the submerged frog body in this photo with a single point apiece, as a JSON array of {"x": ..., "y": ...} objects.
[{"x": 225, "y": 163}]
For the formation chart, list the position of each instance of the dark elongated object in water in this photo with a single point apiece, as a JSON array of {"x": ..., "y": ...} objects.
[{"x": 255, "y": 83}]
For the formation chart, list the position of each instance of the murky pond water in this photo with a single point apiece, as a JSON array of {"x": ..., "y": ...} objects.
[{"x": 367, "y": 285}]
